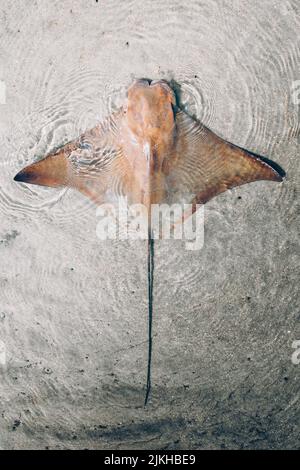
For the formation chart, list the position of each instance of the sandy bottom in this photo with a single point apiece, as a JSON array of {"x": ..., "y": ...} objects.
[{"x": 73, "y": 309}]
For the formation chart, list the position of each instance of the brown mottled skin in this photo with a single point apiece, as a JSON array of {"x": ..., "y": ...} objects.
[{"x": 151, "y": 152}]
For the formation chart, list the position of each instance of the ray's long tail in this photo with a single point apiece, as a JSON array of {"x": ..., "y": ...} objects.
[{"x": 150, "y": 309}]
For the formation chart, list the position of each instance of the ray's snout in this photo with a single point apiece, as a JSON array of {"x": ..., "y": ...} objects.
[{"x": 149, "y": 111}]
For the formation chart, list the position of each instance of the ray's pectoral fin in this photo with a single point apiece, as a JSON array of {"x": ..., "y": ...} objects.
[
  {"x": 205, "y": 165},
  {"x": 52, "y": 171},
  {"x": 91, "y": 164},
  {"x": 64, "y": 169},
  {"x": 237, "y": 167}
]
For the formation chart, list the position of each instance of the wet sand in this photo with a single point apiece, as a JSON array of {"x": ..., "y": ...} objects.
[{"x": 73, "y": 309}]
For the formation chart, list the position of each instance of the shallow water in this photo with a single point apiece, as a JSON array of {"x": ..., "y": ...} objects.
[{"x": 73, "y": 309}]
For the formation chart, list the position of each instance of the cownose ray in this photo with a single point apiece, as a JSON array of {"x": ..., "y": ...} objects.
[{"x": 151, "y": 152}]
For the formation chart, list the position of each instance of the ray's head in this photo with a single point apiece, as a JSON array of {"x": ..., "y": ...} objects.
[{"x": 149, "y": 109}]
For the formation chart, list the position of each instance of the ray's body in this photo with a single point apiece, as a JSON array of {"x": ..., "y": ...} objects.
[{"x": 151, "y": 152}]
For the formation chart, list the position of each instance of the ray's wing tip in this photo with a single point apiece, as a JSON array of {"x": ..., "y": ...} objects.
[
  {"x": 278, "y": 172},
  {"x": 25, "y": 176},
  {"x": 20, "y": 177},
  {"x": 280, "y": 178}
]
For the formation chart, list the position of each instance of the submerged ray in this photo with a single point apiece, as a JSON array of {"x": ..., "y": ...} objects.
[{"x": 151, "y": 152}]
